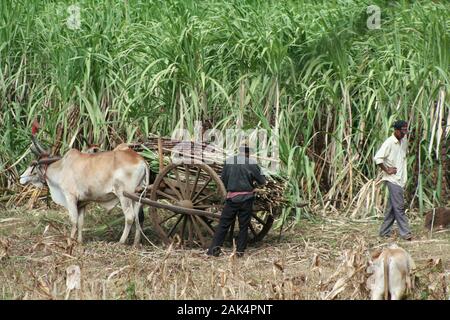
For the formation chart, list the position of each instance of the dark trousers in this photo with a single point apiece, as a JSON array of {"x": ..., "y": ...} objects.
[
  {"x": 395, "y": 211},
  {"x": 244, "y": 212}
]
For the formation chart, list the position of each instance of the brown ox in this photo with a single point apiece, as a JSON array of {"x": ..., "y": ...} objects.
[
  {"x": 438, "y": 218},
  {"x": 79, "y": 178}
]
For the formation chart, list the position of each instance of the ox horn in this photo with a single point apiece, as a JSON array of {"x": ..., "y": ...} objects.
[
  {"x": 48, "y": 160},
  {"x": 38, "y": 147},
  {"x": 34, "y": 150}
]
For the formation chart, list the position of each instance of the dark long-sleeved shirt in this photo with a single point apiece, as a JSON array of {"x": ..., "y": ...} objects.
[{"x": 240, "y": 174}]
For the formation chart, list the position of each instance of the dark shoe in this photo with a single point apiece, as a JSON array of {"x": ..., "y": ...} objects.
[
  {"x": 408, "y": 237},
  {"x": 214, "y": 252},
  {"x": 239, "y": 254}
]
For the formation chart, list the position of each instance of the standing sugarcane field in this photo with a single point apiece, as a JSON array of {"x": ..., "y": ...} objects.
[{"x": 224, "y": 150}]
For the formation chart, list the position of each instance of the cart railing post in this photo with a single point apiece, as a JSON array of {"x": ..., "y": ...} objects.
[{"x": 160, "y": 154}]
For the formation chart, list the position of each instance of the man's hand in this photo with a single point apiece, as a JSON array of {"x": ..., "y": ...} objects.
[
  {"x": 391, "y": 170},
  {"x": 388, "y": 170}
]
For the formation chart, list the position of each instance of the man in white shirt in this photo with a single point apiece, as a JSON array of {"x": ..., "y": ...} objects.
[{"x": 391, "y": 158}]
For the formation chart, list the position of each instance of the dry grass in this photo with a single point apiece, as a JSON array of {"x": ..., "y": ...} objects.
[{"x": 313, "y": 260}]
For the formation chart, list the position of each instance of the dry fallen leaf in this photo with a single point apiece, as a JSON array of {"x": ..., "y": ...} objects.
[
  {"x": 278, "y": 265},
  {"x": 315, "y": 261},
  {"x": 73, "y": 277},
  {"x": 338, "y": 287}
]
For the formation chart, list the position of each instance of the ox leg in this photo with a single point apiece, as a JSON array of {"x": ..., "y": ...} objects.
[
  {"x": 396, "y": 295},
  {"x": 398, "y": 290},
  {"x": 128, "y": 211},
  {"x": 138, "y": 214},
  {"x": 73, "y": 214},
  {"x": 80, "y": 223},
  {"x": 377, "y": 294}
]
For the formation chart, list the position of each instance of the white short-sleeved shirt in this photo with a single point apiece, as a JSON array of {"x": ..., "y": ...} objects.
[{"x": 392, "y": 153}]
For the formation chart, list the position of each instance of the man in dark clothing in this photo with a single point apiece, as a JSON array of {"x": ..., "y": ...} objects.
[{"x": 238, "y": 175}]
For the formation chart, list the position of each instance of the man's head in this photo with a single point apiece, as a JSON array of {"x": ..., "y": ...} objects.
[
  {"x": 400, "y": 129},
  {"x": 245, "y": 150}
]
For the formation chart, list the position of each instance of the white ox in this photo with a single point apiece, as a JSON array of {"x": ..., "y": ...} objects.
[
  {"x": 79, "y": 178},
  {"x": 392, "y": 273}
]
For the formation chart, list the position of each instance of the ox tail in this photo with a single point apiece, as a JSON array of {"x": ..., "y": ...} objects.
[
  {"x": 145, "y": 181},
  {"x": 386, "y": 277},
  {"x": 139, "y": 218},
  {"x": 145, "y": 184}
]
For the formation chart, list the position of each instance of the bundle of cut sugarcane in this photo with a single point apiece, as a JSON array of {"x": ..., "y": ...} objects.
[
  {"x": 186, "y": 149},
  {"x": 272, "y": 194}
]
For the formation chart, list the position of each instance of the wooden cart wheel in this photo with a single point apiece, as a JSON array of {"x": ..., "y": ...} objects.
[
  {"x": 261, "y": 222},
  {"x": 189, "y": 186}
]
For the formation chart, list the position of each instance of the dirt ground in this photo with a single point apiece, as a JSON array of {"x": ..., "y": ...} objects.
[{"x": 321, "y": 259}]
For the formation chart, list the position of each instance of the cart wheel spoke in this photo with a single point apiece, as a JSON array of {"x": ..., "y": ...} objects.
[
  {"x": 169, "y": 183},
  {"x": 167, "y": 196},
  {"x": 201, "y": 190},
  {"x": 198, "y": 231},
  {"x": 187, "y": 186},
  {"x": 204, "y": 198},
  {"x": 207, "y": 227},
  {"x": 175, "y": 225},
  {"x": 183, "y": 226},
  {"x": 190, "y": 231},
  {"x": 180, "y": 184},
  {"x": 167, "y": 219},
  {"x": 197, "y": 175}
]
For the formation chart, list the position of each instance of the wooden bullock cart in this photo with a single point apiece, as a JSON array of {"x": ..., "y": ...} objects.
[{"x": 186, "y": 199}]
